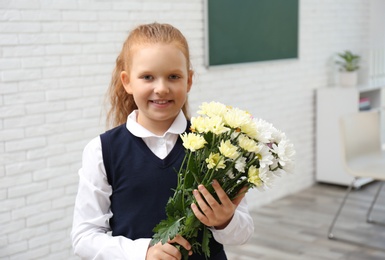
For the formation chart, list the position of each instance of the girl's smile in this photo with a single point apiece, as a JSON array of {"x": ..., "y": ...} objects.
[
  {"x": 159, "y": 81},
  {"x": 161, "y": 103}
]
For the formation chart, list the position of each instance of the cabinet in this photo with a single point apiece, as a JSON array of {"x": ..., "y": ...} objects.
[{"x": 332, "y": 103}]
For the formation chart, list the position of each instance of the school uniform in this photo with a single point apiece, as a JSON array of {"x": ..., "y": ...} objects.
[{"x": 124, "y": 185}]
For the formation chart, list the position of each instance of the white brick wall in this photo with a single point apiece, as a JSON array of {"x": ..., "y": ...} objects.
[{"x": 56, "y": 58}]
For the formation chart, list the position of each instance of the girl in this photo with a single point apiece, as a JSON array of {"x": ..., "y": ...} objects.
[{"x": 128, "y": 173}]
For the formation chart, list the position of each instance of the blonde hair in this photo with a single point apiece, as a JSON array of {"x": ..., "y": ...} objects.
[{"x": 122, "y": 103}]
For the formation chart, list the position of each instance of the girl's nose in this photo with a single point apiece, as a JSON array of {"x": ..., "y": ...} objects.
[{"x": 161, "y": 87}]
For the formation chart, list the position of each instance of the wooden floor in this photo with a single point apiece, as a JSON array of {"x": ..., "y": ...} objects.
[{"x": 296, "y": 226}]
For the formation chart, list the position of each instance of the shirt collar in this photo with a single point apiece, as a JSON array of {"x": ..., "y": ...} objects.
[{"x": 178, "y": 126}]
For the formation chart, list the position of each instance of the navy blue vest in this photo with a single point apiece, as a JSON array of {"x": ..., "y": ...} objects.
[{"x": 141, "y": 185}]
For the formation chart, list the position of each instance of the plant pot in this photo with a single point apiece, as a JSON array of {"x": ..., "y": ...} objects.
[{"x": 348, "y": 78}]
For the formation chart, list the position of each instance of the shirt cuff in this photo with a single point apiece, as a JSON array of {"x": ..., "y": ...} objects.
[
  {"x": 230, "y": 228},
  {"x": 140, "y": 250}
]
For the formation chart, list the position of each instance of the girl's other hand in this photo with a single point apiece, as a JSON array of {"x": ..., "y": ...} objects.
[
  {"x": 167, "y": 251},
  {"x": 212, "y": 213}
]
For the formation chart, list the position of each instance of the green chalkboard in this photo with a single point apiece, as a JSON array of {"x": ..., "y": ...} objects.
[{"x": 251, "y": 30}]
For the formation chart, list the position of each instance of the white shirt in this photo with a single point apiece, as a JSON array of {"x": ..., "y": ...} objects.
[
  {"x": 159, "y": 145},
  {"x": 92, "y": 207}
]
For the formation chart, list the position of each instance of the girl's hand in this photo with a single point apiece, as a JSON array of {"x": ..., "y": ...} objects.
[
  {"x": 167, "y": 251},
  {"x": 212, "y": 213}
]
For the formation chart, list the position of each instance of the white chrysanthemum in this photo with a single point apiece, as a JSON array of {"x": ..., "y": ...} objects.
[
  {"x": 267, "y": 177},
  {"x": 193, "y": 141},
  {"x": 285, "y": 152},
  {"x": 278, "y": 136},
  {"x": 240, "y": 164},
  {"x": 230, "y": 174},
  {"x": 274, "y": 166},
  {"x": 265, "y": 156},
  {"x": 212, "y": 109},
  {"x": 265, "y": 131}
]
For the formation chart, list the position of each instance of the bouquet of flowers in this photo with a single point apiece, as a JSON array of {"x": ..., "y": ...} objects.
[{"x": 229, "y": 145}]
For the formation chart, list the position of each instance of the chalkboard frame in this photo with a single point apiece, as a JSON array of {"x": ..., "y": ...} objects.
[{"x": 277, "y": 41}]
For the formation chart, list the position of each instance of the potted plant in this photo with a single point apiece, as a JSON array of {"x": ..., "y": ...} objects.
[{"x": 349, "y": 65}]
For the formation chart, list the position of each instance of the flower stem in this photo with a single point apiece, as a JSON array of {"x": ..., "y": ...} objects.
[{"x": 184, "y": 183}]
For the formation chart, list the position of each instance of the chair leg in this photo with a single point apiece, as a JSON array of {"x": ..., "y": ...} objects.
[
  {"x": 368, "y": 217},
  {"x": 330, "y": 233}
]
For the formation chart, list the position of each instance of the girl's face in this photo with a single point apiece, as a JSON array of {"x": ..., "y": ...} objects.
[{"x": 159, "y": 82}]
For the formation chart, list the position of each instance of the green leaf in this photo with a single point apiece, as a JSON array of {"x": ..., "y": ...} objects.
[
  {"x": 191, "y": 226},
  {"x": 189, "y": 178},
  {"x": 165, "y": 230},
  {"x": 205, "y": 242},
  {"x": 174, "y": 207}
]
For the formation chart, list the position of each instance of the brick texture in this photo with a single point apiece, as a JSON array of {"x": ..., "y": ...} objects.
[{"x": 56, "y": 58}]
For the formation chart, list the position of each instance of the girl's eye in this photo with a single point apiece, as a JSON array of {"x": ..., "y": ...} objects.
[
  {"x": 174, "y": 77},
  {"x": 147, "y": 77}
]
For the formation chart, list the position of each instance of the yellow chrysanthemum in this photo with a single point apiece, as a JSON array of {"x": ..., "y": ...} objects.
[
  {"x": 236, "y": 118},
  {"x": 228, "y": 150},
  {"x": 193, "y": 141},
  {"x": 216, "y": 125},
  {"x": 198, "y": 124},
  {"x": 215, "y": 160},
  {"x": 212, "y": 109},
  {"x": 250, "y": 129},
  {"x": 253, "y": 176},
  {"x": 247, "y": 144}
]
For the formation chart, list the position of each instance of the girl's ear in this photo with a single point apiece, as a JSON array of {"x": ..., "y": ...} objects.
[
  {"x": 190, "y": 80},
  {"x": 126, "y": 81}
]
